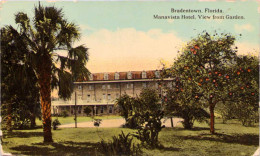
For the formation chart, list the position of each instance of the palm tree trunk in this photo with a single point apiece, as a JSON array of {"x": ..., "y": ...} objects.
[{"x": 44, "y": 71}]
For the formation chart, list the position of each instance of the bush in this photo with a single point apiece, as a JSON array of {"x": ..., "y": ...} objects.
[
  {"x": 97, "y": 122},
  {"x": 121, "y": 145},
  {"x": 64, "y": 113},
  {"x": 87, "y": 110},
  {"x": 143, "y": 113},
  {"x": 55, "y": 124},
  {"x": 149, "y": 127}
]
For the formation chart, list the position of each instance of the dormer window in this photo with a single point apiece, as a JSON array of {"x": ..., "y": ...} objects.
[
  {"x": 116, "y": 76},
  {"x": 129, "y": 75},
  {"x": 144, "y": 75},
  {"x": 106, "y": 76},
  {"x": 157, "y": 74},
  {"x": 90, "y": 77}
]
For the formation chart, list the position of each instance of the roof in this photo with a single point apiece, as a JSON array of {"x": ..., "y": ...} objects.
[{"x": 111, "y": 76}]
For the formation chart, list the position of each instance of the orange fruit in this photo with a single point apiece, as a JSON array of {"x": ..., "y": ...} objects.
[{"x": 196, "y": 47}]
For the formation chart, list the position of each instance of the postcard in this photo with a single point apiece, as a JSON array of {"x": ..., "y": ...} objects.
[{"x": 129, "y": 77}]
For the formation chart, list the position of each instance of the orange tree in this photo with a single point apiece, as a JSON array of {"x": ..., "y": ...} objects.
[
  {"x": 243, "y": 94},
  {"x": 39, "y": 40},
  {"x": 204, "y": 66}
]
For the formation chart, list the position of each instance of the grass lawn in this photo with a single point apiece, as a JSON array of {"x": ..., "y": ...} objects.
[
  {"x": 69, "y": 120},
  {"x": 232, "y": 139}
]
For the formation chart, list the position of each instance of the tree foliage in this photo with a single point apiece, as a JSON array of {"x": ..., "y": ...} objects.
[
  {"x": 38, "y": 42},
  {"x": 20, "y": 93},
  {"x": 208, "y": 72},
  {"x": 244, "y": 91},
  {"x": 203, "y": 64}
]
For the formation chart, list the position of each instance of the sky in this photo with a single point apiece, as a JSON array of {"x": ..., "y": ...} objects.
[{"x": 124, "y": 36}]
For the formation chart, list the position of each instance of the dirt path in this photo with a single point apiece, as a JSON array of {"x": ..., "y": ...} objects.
[{"x": 117, "y": 123}]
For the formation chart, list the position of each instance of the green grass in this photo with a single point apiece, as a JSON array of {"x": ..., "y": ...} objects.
[
  {"x": 69, "y": 120},
  {"x": 231, "y": 139}
]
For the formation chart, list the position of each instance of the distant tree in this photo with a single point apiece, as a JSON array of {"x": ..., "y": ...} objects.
[
  {"x": 39, "y": 42},
  {"x": 244, "y": 93}
]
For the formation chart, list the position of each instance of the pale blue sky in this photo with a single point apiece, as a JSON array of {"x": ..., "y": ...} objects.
[{"x": 117, "y": 17}]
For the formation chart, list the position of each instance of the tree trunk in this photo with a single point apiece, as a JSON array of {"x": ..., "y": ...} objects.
[
  {"x": 44, "y": 71},
  {"x": 32, "y": 120},
  {"x": 9, "y": 117},
  {"x": 212, "y": 118}
]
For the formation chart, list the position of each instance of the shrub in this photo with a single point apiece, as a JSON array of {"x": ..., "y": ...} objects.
[
  {"x": 87, "y": 110},
  {"x": 121, "y": 145},
  {"x": 55, "y": 124},
  {"x": 149, "y": 127},
  {"x": 143, "y": 113},
  {"x": 64, "y": 114},
  {"x": 97, "y": 122}
]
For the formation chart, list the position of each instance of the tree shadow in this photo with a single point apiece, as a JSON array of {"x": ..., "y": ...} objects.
[
  {"x": 59, "y": 148},
  {"x": 24, "y": 134},
  {"x": 163, "y": 148},
  {"x": 243, "y": 139},
  {"x": 193, "y": 129}
]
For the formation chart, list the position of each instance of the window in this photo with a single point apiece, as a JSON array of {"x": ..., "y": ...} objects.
[
  {"x": 169, "y": 84},
  {"x": 79, "y": 110},
  {"x": 80, "y": 97},
  {"x": 90, "y": 87},
  {"x": 157, "y": 74},
  {"x": 104, "y": 96},
  {"x": 143, "y": 75},
  {"x": 109, "y": 96},
  {"x": 106, "y": 76},
  {"x": 103, "y": 86},
  {"x": 116, "y": 76},
  {"x": 144, "y": 85},
  {"x": 110, "y": 109},
  {"x": 108, "y": 86},
  {"x": 129, "y": 75},
  {"x": 101, "y": 109},
  {"x": 88, "y": 97},
  {"x": 79, "y": 87},
  {"x": 90, "y": 77},
  {"x": 117, "y": 85},
  {"x": 156, "y": 85},
  {"x": 129, "y": 85}
]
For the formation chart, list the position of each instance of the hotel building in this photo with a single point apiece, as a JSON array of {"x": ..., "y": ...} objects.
[{"x": 102, "y": 89}]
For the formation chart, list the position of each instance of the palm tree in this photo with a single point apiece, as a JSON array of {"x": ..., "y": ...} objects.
[{"x": 42, "y": 41}]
